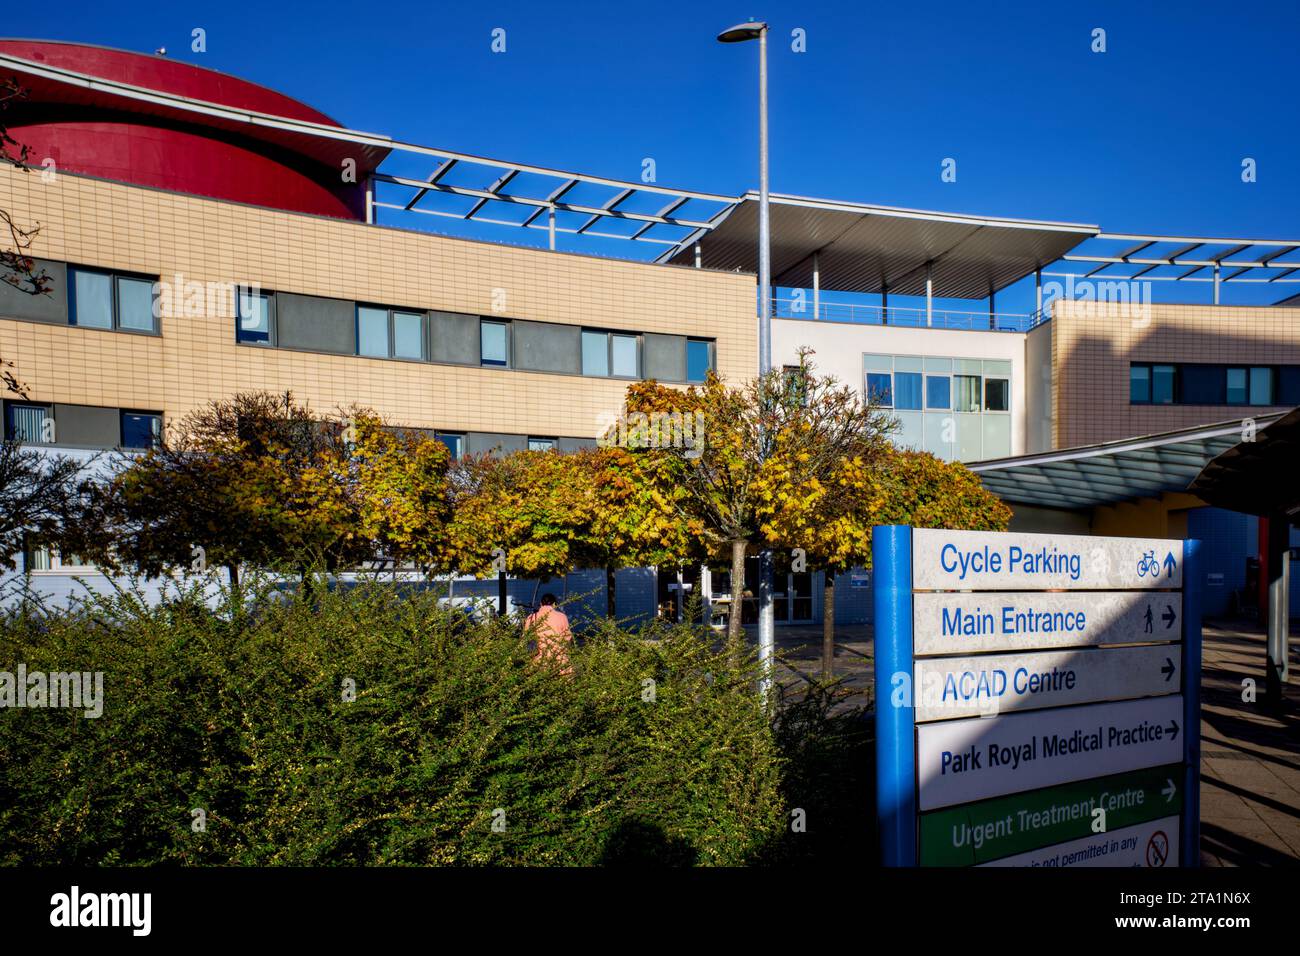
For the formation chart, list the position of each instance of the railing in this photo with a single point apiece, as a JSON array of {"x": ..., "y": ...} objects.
[{"x": 907, "y": 317}]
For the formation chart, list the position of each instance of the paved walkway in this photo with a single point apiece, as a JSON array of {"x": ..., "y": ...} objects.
[
  {"x": 1250, "y": 758},
  {"x": 1250, "y": 755}
]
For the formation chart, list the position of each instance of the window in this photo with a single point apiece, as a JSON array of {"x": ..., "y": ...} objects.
[
  {"x": 1202, "y": 384},
  {"x": 103, "y": 300},
  {"x": 1236, "y": 390},
  {"x": 93, "y": 297},
  {"x": 1261, "y": 386},
  {"x": 455, "y": 443},
  {"x": 938, "y": 391},
  {"x": 623, "y": 356},
  {"x": 1139, "y": 384},
  {"x": 141, "y": 429},
  {"x": 388, "y": 333},
  {"x": 611, "y": 353},
  {"x": 880, "y": 389},
  {"x": 907, "y": 390},
  {"x": 253, "y": 324},
  {"x": 997, "y": 395},
  {"x": 372, "y": 332},
  {"x": 31, "y": 424},
  {"x": 796, "y": 384},
  {"x": 494, "y": 343},
  {"x": 135, "y": 304},
  {"x": 967, "y": 389},
  {"x": 41, "y": 557},
  {"x": 699, "y": 359},
  {"x": 595, "y": 353},
  {"x": 408, "y": 335},
  {"x": 1163, "y": 379},
  {"x": 541, "y": 444}
]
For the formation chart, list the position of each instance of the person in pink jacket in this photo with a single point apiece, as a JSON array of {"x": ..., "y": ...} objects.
[{"x": 550, "y": 626}]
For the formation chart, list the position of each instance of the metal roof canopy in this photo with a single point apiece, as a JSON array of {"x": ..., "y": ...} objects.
[
  {"x": 1112, "y": 472},
  {"x": 867, "y": 248},
  {"x": 1186, "y": 259},
  {"x": 1257, "y": 477},
  {"x": 338, "y": 142},
  {"x": 857, "y": 247}
]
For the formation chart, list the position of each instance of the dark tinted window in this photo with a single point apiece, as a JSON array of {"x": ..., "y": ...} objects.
[
  {"x": 141, "y": 429},
  {"x": 1139, "y": 384},
  {"x": 1203, "y": 385},
  {"x": 699, "y": 359}
]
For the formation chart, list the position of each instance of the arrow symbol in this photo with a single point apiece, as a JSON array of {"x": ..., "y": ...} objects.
[
  {"x": 1169, "y": 616},
  {"x": 1170, "y": 563},
  {"x": 1169, "y": 790},
  {"x": 1173, "y": 729},
  {"x": 1168, "y": 671}
]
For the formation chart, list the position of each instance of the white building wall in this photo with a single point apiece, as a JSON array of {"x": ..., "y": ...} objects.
[{"x": 839, "y": 346}]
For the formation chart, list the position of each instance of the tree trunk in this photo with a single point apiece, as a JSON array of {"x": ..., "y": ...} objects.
[
  {"x": 611, "y": 592},
  {"x": 828, "y": 627},
  {"x": 737, "y": 591},
  {"x": 705, "y": 613}
]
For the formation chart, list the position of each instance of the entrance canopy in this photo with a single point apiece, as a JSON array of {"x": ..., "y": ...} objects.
[
  {"x": 856, "y": 247},
  {"x": 1257, "y": 477},
  {"x": 1118, "y": 471}
]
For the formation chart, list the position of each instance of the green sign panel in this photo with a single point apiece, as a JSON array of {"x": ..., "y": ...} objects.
[{"x": 989, "y": 830}]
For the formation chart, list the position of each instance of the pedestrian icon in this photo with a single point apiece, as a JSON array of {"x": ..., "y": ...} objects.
[{"x": 1149, "y": 620}]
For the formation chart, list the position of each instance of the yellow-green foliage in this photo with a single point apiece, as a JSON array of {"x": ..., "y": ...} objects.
[{"x": 654, "y": 750}]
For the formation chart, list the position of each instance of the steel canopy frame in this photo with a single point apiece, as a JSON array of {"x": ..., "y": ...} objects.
[
  {"x": 1259, "y": 254},
  {"x": 1194, "y": 255}
]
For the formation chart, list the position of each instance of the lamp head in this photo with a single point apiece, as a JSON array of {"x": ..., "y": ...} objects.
[{"x": 742, "y": 32}]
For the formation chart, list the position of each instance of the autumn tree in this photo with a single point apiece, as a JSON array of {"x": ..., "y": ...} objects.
[
  {"x": 775, "y": 465},
  {"x": 926, "y": 492},
  {"x": 544, "y": 514},
  {"x": 260, "y": 480},
  {"x": 520, "y": 512}
]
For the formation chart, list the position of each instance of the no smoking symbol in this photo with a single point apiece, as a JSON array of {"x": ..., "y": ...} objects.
[{"x": 1157, "y": 849}]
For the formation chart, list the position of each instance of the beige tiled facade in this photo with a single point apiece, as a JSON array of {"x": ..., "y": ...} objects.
[
  {"x": 1092, "y": 350},
  {"x": 92, "y": 222}
]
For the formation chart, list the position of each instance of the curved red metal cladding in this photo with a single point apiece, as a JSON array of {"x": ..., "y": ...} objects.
[{"x": 99, "y": 133}]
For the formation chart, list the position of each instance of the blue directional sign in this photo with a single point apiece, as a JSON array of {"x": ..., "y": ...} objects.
[{"x": 1013, "y": 667}]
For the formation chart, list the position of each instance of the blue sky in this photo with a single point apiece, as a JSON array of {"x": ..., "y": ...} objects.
[{"x": 1146, "y": 137}]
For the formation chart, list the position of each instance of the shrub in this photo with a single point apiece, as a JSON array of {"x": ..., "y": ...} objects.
[{"x": 240, "y": 711}]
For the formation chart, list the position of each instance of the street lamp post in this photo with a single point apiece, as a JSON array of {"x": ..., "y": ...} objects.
[{"x": 756, "y": 30}]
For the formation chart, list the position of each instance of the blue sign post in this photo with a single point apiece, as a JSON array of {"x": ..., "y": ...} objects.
[
  {"x": 1033, "y": 720},
  {"x": 891, "y": 557}
]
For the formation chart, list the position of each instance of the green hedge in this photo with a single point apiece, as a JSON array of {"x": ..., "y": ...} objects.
[{"x": 242, "y": 714}]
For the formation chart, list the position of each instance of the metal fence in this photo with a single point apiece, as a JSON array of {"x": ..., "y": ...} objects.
[{"x": 906, "y": 317}]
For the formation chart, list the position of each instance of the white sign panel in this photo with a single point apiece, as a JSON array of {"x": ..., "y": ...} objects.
[
  {"x": 961, "y": 761},
  {"x": 953, "y": 687},
  {"x": 987, "y": 560},
  {"x": 1153, "y": 844},
  {"x": 963, "y": 623}
]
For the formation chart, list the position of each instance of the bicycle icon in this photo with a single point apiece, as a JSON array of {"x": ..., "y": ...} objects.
[{"x": 1149, "y": 565}]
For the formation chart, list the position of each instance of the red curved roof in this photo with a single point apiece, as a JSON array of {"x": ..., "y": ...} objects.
[{"x": 101, "y": 133}]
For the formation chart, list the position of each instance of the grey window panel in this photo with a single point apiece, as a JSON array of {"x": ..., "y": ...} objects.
[
  {"x": 547, "y": 347},
  {"x": 479, "y": 442},
  {"x": 664, "y": 357},
  {"x": 87, "y": 426},
  {"x": 315, "y": 324},
  {"x": 575, "y": 444},
  {"x": 453, "y": 337},
  {"x": 51, "y": 307}
]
